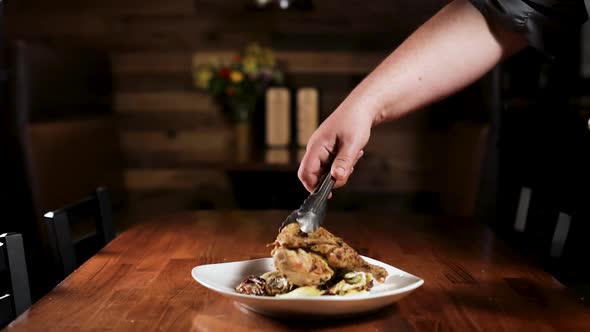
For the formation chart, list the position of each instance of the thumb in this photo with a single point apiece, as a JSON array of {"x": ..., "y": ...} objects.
[{"x": 343, "y": 164}]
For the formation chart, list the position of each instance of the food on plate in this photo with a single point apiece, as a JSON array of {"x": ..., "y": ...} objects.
[
  {"x": 313, "y": 264},
  {"x": 252, "y": 285},
  {"x": 352, "y": 283},
  {"x": 304, "y": 291},
  {"x": 276, "y": 283},
  {"x": 302, "y": 268},
  {"x": 336, "y": 253}
]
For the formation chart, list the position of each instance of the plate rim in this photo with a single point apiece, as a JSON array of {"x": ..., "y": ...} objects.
[{"x": 360, "y": 297}]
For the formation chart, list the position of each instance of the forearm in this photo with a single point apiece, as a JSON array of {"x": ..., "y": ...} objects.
[{"x": 450, "y": 51}]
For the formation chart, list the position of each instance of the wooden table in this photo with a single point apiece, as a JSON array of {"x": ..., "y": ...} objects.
[{"x": 141, "y": 281}]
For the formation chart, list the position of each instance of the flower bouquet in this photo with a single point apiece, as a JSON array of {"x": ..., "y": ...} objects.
[{"x": 239, "y": 84}]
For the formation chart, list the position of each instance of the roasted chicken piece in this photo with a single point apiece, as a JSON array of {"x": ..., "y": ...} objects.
[
  {"x": 310, "y": 259},
  {"x": 302, "y": 268}
]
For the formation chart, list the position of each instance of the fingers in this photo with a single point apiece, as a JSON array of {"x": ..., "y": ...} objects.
[
  {"x": 312, "y": 166},
  {"x": 359, "y": 156},
  {"x": 317, "y": 156},
  {"x": 343, "y": 165}
]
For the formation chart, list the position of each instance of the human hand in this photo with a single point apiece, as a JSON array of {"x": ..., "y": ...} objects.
[{"x": 341, "y": 138}]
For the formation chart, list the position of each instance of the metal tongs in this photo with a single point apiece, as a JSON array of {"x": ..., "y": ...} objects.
[{"x": 311, "y": 213}]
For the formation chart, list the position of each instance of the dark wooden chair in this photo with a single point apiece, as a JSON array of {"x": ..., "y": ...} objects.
[
  {"x": 13, "y": 267},
  {"x": 70, "y": 252}
]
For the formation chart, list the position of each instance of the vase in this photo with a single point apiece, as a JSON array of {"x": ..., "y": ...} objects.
[{"x": 243, "y": 136}]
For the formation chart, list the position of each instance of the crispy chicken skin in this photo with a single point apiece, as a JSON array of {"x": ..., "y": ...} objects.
[
  {"x": 292, "y": 247},
  {"x": 302, "y": 268}
]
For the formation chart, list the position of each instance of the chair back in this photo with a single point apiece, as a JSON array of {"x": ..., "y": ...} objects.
[
  {"x": 13, "y": 267},
  {"x": 70, "y": 252}
]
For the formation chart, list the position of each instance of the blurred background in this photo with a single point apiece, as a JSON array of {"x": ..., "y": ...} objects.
[{"x": 122, "y": 94}]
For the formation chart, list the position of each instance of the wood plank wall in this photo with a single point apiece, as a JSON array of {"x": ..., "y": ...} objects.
[{"x": 165, "y": 125}]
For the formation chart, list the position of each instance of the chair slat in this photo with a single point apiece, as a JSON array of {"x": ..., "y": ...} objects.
[
  {"x": 15, "y": 253},
  {"x": 68, "y": 253},
  {"x": 12, "y": 254},
  {"x": 106, "y": 212},
  {"x": 61, "y": 239},
  {"x": 6, "y": 310}
]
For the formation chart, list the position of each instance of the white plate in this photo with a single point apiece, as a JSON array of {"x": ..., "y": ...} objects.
[{"x": 224, "y": 277}]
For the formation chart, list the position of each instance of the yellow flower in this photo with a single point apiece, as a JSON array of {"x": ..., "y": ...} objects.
[
  {"x": 236, "y": 76},
  {"x": 249, "y": 65},
  {"x": 253, "y": 49},
  {"x": 268, "y": 58},
  {"x": 202, "y": 77}
]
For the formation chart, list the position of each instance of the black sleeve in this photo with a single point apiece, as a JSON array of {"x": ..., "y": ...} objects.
[{"x": 547, "y": 24}]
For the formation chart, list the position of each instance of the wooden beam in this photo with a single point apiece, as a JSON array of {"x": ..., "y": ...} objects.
[
  {"x": 190, "y": 142},
  {"x": 310, "y": 62},
  {"x": 150, "y": 62},
  {"x": 154, "y": 7},
  {"x": 166, "y": 179},
  {"x": 154, "y": 82},
  {"x": 164, "y": 101},
  {"x": 294, "y": 62},
  {"x": 169, "y": 121}
]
